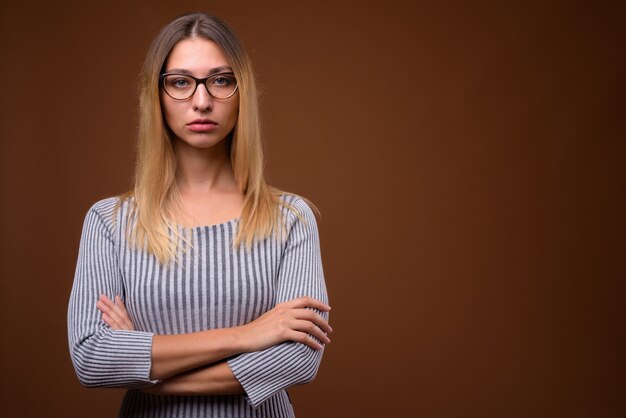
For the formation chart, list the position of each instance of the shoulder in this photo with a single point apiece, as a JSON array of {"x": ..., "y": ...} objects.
[
  {"x": 105, "y": 206},
  {"x": 298, "y": 210},
  {"x": 298, "y": 204},
  {"x": 107, "y": 211}
]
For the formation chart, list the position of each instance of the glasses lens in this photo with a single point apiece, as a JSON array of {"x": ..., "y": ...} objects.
[
  {"x": 222, "y": 86},
  {"x": 179, "y": 86}
]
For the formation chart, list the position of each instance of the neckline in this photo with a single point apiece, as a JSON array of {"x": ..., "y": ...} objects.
[{"x": 212, "y": 226}]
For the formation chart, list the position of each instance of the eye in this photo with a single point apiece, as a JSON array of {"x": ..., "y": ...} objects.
[
  {"x": 178, "y": 82},
  {"x": 181, "y": 82},
  {"x": 223, "y": 80}
]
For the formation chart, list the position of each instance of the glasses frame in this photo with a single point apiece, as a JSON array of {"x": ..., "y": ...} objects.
[{"x": 198, "y": 82}]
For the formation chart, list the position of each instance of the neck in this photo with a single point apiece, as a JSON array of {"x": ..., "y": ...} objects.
[{"x": 202, "y": 171}]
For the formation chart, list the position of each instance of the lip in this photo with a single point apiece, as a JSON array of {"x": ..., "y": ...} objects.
[{"x": 202, "y": 125}]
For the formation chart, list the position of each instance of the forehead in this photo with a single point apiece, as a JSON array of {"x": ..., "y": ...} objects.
[{"x": 197, "y": 55}]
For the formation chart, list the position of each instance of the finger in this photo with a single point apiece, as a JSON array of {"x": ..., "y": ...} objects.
[
  {"x": 105, "y": 304},
  {"x": 304, "y": 338},
  {"x": 105, "y": 299},
  {"x": 312, "y": 330},
  {"x": 119, "y": 302},
  {"x": 313, "y": 317},
  {"x": 110, "y": 322},
  {"x": 102, "y": 307},
  {"x": 116, "y": 306},
  {"x": 117, "y": 323},
  {"x": 107, "y": 319},
  {"x": 120, "y": 308},
  {"x": 307, "y": 302},
  {"x": 116, "y": 314},
  {"x": 122, "y": 312},
  {"x": 111, "y": 310}
]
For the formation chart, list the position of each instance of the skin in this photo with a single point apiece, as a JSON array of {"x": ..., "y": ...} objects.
[
  {"x": 194, "y": 363},
  {"x": 205, "y": 178}
]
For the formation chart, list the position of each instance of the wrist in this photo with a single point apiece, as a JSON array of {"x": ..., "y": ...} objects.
[{"x": 240, "y": 339}]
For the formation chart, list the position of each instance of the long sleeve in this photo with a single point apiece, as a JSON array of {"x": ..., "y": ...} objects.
[
  {"x": 263, "y": 373},
  {"x": 102, "y": 356}
]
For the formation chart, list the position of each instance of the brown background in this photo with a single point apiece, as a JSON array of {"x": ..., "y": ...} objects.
[{"x": 468, "y": 159}]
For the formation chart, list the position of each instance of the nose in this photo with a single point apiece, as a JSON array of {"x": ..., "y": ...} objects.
[{"x": 201, "y": 99}]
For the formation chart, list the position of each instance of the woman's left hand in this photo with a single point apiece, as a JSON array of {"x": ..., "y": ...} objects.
[{"x": 114, "y": 314}]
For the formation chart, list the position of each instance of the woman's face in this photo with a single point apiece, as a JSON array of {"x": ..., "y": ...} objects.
[{"x": 200, "y": 121}]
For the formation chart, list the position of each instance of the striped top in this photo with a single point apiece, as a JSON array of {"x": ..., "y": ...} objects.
[{"x": 213, "y": 286}]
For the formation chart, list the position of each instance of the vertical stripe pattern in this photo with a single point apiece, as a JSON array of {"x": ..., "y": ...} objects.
[{"x": 213, "y": 286}]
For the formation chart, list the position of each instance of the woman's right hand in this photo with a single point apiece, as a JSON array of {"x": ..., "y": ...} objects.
[{"x": 293, "y": 320}]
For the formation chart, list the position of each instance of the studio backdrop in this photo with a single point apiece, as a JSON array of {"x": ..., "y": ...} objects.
[{"x": 467, "y": 159}]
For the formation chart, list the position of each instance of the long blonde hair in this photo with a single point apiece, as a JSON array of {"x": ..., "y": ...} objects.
[{"x": 155, "y": 196}]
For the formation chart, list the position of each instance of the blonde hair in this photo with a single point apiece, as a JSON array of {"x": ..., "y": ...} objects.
[{"x": 155, "y": 196}]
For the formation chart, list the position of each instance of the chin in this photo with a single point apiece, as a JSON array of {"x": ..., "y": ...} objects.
[{"x": 200, "y": 141}]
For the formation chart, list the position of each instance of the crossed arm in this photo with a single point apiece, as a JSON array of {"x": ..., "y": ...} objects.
[
  {"x": 194, "y": 364},
  {"x": 219, "y": 361}
]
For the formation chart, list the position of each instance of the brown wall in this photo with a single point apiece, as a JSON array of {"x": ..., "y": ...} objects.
[{"x": 469, "y": 163}]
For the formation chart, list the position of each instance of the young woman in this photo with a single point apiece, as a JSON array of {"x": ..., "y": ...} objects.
[{"x": 201, "y": 290}]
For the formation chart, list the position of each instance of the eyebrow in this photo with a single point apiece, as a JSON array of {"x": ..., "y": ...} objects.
[{"x": 216, "y": 70}]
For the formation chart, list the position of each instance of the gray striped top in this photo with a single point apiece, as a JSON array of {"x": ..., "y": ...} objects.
[{"x": 213, "y": 286}]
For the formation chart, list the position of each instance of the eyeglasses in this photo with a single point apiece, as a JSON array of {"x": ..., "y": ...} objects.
[{"x": 183, "y": 86}]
